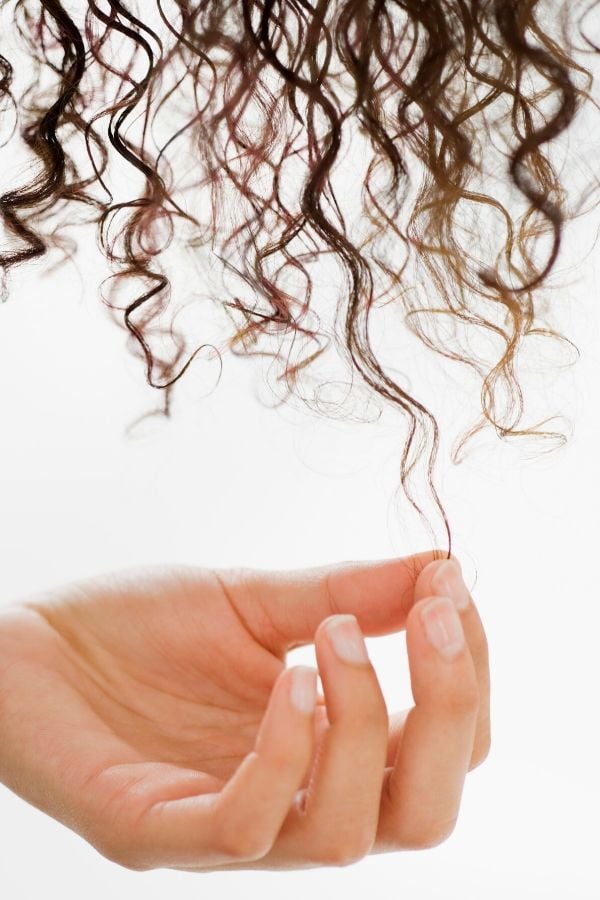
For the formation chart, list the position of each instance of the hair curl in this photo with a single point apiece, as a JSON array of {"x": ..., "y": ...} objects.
[{"x": 261, "y": 94}]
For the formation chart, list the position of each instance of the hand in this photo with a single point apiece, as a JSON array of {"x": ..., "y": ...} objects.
[{"x": 150, "y": 712}]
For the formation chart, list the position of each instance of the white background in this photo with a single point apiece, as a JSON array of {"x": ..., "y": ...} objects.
[{"x": 229, "y": 481}]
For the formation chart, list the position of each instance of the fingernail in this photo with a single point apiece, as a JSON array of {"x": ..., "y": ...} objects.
[
  {"x": 448, "y": 582},
  {"x": 347, "y": 639},
  {"x": 443, "y": 627},
  {"x": 303, "y": 692}
]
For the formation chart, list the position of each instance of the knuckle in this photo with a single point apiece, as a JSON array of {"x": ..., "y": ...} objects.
[
  {"x": 482, "y": 751},
  {"x": 115, "y": 852},
  {"x": 479, "y": 759},
  {"x": 233, "y": 577},
  {"x": 135, "y": 865},
  {"x": 428, "y": 836},
  {"x": 237, "y": 844},
  {"x": 487, "y": 746},
  {"x": 344, "y": 853}
]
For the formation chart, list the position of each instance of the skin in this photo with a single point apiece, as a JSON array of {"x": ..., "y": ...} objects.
[{"x": 149, "y": 711}]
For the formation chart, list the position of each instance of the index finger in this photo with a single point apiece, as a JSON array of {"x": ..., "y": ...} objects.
[{"x": 293, "y": 603}]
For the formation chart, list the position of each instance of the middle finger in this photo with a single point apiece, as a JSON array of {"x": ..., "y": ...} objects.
[
  {"x": 427, "y": 586},
  {"x": 336, "y": 817}
]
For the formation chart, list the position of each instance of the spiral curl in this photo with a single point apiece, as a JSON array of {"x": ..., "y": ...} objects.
[{"x": 261, "y": 94}]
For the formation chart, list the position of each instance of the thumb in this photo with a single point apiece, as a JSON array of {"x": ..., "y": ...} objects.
[{"x": 285, "y": 608}]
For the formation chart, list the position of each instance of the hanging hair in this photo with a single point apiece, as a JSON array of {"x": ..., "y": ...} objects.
[{"x": 224, "y": 126}]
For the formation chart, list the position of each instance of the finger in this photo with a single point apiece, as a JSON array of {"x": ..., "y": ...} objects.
[
  {"x": 337, "y": 823},
  {"x": 397, "y": 722},
  {"x": 295, "y": 602},
  {"x": 444, "y": 578},
  {"x": 241, "y": 821},
  {"x": 422, "y": 792}
]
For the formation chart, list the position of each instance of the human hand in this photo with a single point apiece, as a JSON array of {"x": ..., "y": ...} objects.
[{"x": 150, "y": 712}]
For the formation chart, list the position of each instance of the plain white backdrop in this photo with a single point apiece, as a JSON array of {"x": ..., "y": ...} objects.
[{"x": 229, "y": 481}]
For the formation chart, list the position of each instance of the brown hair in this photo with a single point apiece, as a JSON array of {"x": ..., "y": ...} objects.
[{"x": 262, "y": 94}]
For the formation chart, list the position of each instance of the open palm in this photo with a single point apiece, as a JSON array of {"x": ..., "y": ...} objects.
[{"x": 150, "y": 712}]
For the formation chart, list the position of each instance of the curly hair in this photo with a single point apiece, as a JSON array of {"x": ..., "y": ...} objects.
[{"x": 257, "y": 99}]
